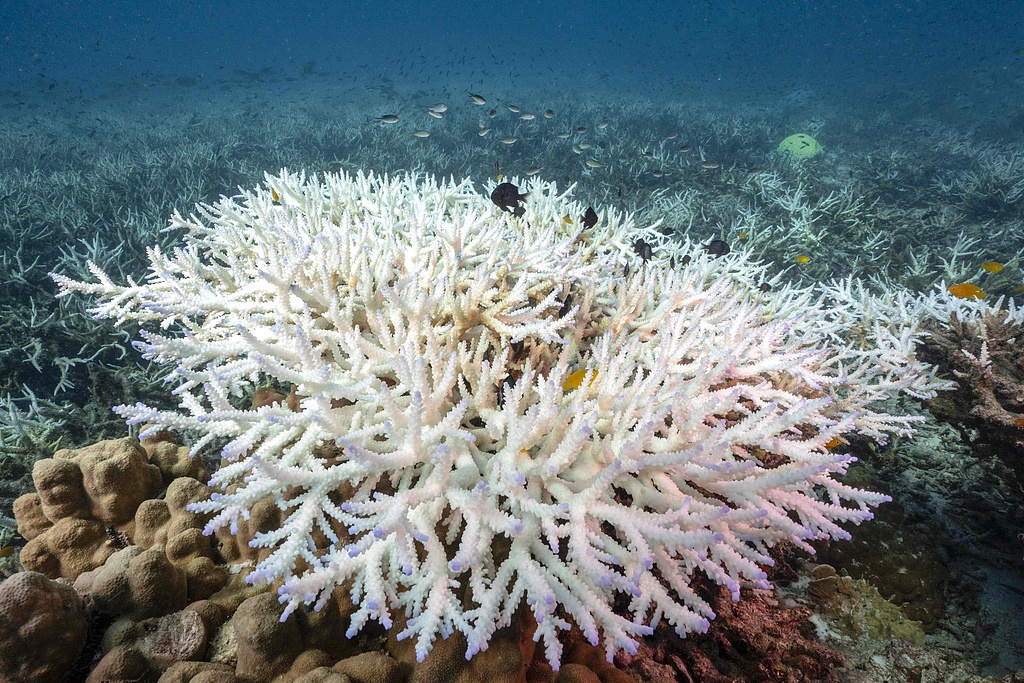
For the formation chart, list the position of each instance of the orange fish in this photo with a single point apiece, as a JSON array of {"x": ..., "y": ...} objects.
[
  {"x": 574, "y": 380},
  {"x": 992, "y": 266},
  {"x": 965, "y": 290}
]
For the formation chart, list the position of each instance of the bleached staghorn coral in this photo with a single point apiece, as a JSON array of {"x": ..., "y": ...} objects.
[
  {"x": 488, "y": 411},
  {"x": 30, "y": 427}
]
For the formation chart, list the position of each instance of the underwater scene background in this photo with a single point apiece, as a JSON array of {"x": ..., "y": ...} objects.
[{"x": 879, "y": 146}]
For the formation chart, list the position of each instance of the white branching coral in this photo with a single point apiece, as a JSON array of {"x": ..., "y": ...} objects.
[{"x": 490, "y": 413}]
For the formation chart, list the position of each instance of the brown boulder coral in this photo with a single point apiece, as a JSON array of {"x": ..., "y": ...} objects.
[
  {"x": 42, "y": 629},
  {"x": 162, "y": 641},
  {"x": 84, "y": 506},
  {"x": 137, "y": 583}
]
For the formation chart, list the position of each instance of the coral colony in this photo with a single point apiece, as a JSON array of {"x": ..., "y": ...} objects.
[{"x": 488, "y": 408}]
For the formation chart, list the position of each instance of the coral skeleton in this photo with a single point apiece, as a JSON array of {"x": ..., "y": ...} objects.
[{"x": 488, "y": 411}]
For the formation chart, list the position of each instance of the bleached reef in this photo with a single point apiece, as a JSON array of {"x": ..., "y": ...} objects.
[{"x": 488, "y": 409}]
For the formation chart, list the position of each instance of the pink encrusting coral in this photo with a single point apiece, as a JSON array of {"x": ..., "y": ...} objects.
[{"x": 441, "y": 454}]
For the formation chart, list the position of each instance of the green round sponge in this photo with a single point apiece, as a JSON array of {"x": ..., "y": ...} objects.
[{"x": 800, "y": 146}]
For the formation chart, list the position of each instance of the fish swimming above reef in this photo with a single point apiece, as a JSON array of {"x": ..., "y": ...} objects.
[
  {"x": 477, "y": 99},
  {"x": 388, "y": 118},
  {"x": 966, "y": 290},
  {"x": 717, "y": 248},
  {"x": 992, "y": 266},
  {"x": 506, "y": 197},
  {"x": 643, "y": 249},
  {"x": 589, "y": 219}
]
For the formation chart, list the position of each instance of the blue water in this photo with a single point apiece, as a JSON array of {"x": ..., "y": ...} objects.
[{"x": 646, "y": 47}]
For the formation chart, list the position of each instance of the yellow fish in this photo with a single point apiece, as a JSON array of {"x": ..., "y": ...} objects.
[
  {"x": 500, "y": 177},
  {"x": 6, "y": 551},
  {"x": 965, "y": 290},
  {"x": 567, "y": 220},
  {"x": 803, "y": 258},
  {"x": 992, "y": 266},
  {"x": 834, "y": 442},
  {"x": 574, "y": 380},
  {"x": 274, "y": 195}
]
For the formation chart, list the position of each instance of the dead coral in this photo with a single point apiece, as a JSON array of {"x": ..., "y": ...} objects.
[
  {"x": 757, "y": 639},
  {"x": 985, "y": 359}
]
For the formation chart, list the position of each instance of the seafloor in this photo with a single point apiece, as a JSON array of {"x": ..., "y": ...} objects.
[{"x": 913, "y": 189}]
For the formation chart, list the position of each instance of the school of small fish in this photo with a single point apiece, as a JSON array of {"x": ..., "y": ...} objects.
[
  {"x": 591, "y": 154},
  {"x": 507, "y": 197}
]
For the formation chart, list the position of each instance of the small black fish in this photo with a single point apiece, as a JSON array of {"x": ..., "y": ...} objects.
[
  {"x": 566, "y": 306},
  {"x": 717, "y": 248},
  {"x": 517, "y": 351},
  {"x": 589, "y": 219},
  {"x": 643, "y": 249},
  {"x": 765, "y": 287},
  {"x": 507, "y": 198}
]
